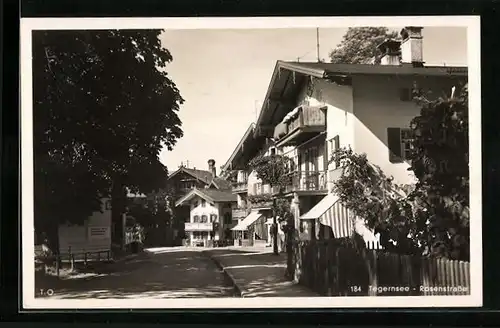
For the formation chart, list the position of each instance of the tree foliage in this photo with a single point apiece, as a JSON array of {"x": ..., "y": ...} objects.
[
  {"x": 371, "y": 195},
  {"x": 440, "y": 162},
  {"x": 359, "y": 45},
  {"x": 274, "y": 170},
  {"x": 432, "y": 216},
  {"x": 103, "y": 108},
  {"x": 153, "y": 209}
]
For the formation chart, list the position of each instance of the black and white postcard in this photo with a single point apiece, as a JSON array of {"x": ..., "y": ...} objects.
[{"x": 283, "y": 162}]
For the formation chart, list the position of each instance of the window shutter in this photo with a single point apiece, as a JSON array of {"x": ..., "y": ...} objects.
[
  {"x": 336, "y": 141},
  {"x": 394, "y": 145}
]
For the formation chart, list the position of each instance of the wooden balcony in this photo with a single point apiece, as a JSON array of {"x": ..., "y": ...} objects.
[
  {"x": 306, "y": 123},
  {"x": 240, "y": 187},
  {"x": 239, "y": 213},
  {"x": 190, "y": 226},
  {"x": 259, "y": 189}
]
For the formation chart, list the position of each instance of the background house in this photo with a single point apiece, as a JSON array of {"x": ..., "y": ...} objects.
[
  {"x": 254, "y": 217},
  {"x": 182, "y": 182},
  {"x": 210, "y": 215}
]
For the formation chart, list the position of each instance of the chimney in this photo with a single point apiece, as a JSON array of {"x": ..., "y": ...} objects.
[
  {"x": 411, "y": 46},
  {"x": 391, "y": 52},
  {"x": 211, "y": 167}
]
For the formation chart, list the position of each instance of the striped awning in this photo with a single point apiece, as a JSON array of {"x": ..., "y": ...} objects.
[
  {"x": 330, "y": 212},
  {"x": 320, "y": 208},
  {"x": 248, "y": 221}
]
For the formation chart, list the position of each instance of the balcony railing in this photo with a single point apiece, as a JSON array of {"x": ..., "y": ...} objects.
[
  {"x": 307, "y": 122},
  {"x": 190, "y": 226},
  {"x": 307, "y": 181},
  {"x": 239, "y": 187},
  {"x": 260, "y": 189},
  {"x": 240, "y": 213}
]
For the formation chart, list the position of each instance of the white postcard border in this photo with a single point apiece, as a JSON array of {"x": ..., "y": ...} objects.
[{"x": 472, "y": 23}]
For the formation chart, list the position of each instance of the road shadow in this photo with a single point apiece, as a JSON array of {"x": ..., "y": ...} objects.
[
  {"x": 176, "y": 274},
  {"x": 259, "y": 274}
]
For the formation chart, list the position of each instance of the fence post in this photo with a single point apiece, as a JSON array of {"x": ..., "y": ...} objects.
[
  {"x": 461, "y": 277},
  {"x": 432, "y": 264},
  {"x": 371, "y": 260},
  {"x": 453, "y": 280},
  {"x": 467, "y": 277}
]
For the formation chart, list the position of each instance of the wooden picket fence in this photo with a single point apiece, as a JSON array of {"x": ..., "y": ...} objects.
[{"x": 333, "y": 270}]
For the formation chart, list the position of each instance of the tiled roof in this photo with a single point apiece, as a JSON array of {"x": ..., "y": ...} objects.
[
  {"x": 200, "y": 174},
  {"x": 205, "y": 176},
  {"x": 211, "y": 195},
  {"x": 221, "y": 183},
  {"x": 219, "y": 195}
]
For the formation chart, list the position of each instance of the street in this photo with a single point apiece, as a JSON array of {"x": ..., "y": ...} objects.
[{"x": 157, "y": 273}]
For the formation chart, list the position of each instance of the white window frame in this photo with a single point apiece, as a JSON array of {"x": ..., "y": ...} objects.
[{"x": 406, "y": 142}]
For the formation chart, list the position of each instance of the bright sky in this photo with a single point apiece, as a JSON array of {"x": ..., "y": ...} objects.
[{"x": 223, "y": 75}]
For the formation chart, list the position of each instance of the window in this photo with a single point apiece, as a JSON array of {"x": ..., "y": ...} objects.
[
  {"x": 334, "y": 144},
  {"x": 198, "y": 234},
  {"x": 213, "y": 217},
  {"x": 399, "y": 142},
  {"x": 196, "y": 219},
  {"x": 406, "y": 143},
  {"x": 204, "y": 219},
  {"x": 203, "y": 203},
  {"x": 273, "y": 151},
  {"x": 195, "y": 204},
  {"x": 408, "y": 94},
  {"x": 258, "y": 188}
]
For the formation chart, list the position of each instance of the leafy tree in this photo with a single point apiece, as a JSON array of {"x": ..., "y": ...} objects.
[
  {"x": 153, "y": 211},
  {"x": 440, "y": 162},
  {"x": 103, "y": 108},
  {"x": 371, "y": 195},
  {"x": 359, "y": 45},
  {"x": 274, "y": 170}
]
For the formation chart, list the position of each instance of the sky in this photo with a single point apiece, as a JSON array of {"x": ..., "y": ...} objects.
[{"x": 223, "y": 76}]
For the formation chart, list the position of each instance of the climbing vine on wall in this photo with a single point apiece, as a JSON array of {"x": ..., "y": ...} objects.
[
  {"x": 274, "y": 170},
  {"x": 432, "y": 216}
]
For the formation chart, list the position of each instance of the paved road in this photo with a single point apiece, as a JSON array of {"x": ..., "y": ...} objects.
[{"x": 159, "y": 273}]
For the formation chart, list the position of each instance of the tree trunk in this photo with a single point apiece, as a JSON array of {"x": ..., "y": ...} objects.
[
  {"x": 118, "y": 204},
  {"x": 275, "y": 232},
  {"x": 53, "y": 237}
]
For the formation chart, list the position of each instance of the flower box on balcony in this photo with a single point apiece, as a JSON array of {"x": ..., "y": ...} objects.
[
  {"x": 310, "y": 181},
  {"x": 302, "y": 125}
]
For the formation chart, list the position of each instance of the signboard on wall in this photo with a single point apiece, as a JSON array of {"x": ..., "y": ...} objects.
[{"x": 98, "y": 233}]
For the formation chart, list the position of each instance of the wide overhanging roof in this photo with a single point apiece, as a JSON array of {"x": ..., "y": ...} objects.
[
  {"x": 289, "y": 77},
  {"x": 241, "y": 149}
]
